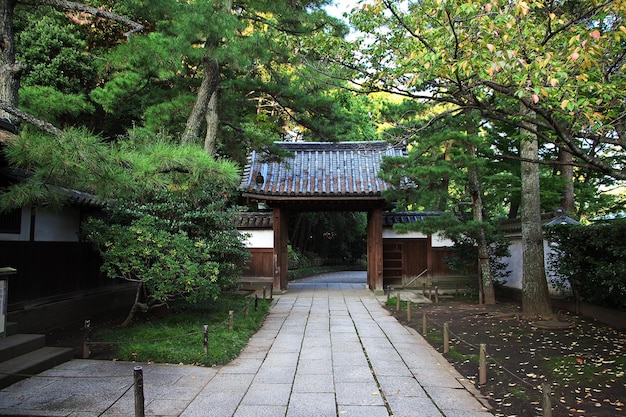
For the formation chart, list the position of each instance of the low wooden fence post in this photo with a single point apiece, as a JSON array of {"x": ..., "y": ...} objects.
[
  {"x": 86, "y": 339},
  {"x": 139, "y": 397},
  {"x": 546, "y": 403},
  {"x": 446, "y": 338},
  {"x": 424, "y": 324},
  {"x": 482, "y": 364}
]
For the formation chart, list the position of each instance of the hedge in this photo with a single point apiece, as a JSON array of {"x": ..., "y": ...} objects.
[{"x": 592, "y": 260}]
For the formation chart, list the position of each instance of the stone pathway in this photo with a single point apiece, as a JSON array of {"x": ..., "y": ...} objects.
[{"x": 328, "y": 348}]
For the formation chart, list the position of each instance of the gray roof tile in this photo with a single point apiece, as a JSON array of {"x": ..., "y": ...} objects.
[{"x": 319, "y": 169}]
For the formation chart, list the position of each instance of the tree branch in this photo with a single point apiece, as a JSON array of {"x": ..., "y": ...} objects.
[
  {"x": 389, "y": 6},
  {"x": 94, "y": 11},
  {"x": 28, "y": 118}
]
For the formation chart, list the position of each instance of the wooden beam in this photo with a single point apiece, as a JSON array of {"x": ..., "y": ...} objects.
[
  {"x": 280, "y": 248},
  {"x": 429, "y": 256},
  {"x": 375, "y": 249}
]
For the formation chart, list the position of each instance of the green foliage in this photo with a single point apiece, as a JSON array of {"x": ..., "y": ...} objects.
[
  {"x": 55, "y": 54},
  {"x": 178, "y": 336},
  {"x": 48, "y": 103},
  {"x": 170, "y": 221},
  {"x": 466, "y": 252},
  {"x": 592, "y": 260},
  {"x": 156, "y": 164},
  {"x": 58, "y": 71},
  {"x": 169, "y": 264},
  {"x": 75, "y": 159},
  {"x": 177, "y": 246},
  {"x": 173, "y": 229},
  {"x": 434, "y": 176},
  {"x": 334, "y": 236},
  {"x": 93, "y": 76},
  {"x": 297, "y": 259},
  {"x": 555, "y": 68}
]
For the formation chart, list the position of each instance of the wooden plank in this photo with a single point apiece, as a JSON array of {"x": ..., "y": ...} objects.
[
  {"x": 375, "y": 249},
  {"x": 280, "y": 248}
]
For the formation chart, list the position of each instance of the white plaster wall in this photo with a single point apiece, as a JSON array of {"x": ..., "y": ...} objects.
[
  {"x": 514, "y": 265},
  {"x": 259, "y": 238},
  {"x": 438, "y": 241},
  {"x": 389, "y": 233},
  {"x": 57, "y": 226}
]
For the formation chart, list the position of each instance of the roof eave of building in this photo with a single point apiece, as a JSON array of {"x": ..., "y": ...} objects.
[{"x": 315, "y": 197}]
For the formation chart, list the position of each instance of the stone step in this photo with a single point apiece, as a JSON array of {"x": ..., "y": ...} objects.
[
  {"x": 32, "y": 363},
  {"x": 19, "y": 344},
  {"x": 11, "y": 328}
]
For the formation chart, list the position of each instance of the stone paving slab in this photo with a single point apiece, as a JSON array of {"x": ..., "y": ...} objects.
[{"x": 328, "y": 348}]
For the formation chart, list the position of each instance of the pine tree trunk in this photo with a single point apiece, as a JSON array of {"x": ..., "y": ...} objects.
[
  {"x": 9, "y": 69},
  {"x": 535, "y": 296},
  {"x": 212, "y": 123},
  {"x": 209, "y": 84},
  {"x": 206, "y": 93}
]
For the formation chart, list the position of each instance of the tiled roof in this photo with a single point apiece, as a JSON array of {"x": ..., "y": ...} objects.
[
  {"x": 547, "y": 220},
  {"x": 254, "y": 220},
  {"x": 319, "y": 170}
]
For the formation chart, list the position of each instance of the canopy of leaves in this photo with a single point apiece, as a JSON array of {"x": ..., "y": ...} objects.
[{"x": 561, "y": 60}]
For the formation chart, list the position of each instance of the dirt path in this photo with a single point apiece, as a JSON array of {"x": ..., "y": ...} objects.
[{"x": 584, "y": 365}]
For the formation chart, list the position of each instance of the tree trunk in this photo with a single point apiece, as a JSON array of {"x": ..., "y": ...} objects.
[
  {"x": 210, "y": 81},
  {"x": 212, "y": 123},
  {"x": 513, "y": 210},
  {"x": 567, "y": 172},
  {"x": 483, "y": 247},
  {"x": 137, "y": 305},
  {"x": 535, "y": 296},
  {"x": 9, "y": 69},
  {"x": 206, "y": 94}
]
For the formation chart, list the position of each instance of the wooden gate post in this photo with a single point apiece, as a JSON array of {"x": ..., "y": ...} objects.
[
  {"x": 280, "y": 248},
  {"x": 375, "y": 249}
]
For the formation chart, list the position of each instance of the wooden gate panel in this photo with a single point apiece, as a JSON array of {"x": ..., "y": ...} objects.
[{"x": 261, "y": 263}]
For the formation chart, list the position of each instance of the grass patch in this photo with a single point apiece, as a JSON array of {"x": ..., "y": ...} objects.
[
  {"x": 453, "y": 353},
  {"x": 592, "y": 370},
  {"x": 392, "y": 302},
  {"x": 435, "y": 337},
  {"x": 178, "y": 336}
]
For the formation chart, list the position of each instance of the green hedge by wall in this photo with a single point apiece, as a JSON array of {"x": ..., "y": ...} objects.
[{"x": 592, "y": 260}]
